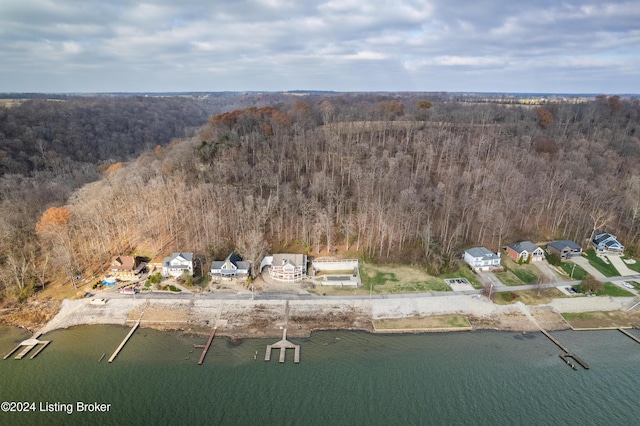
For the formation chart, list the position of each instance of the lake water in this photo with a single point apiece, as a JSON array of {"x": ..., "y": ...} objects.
[{"x": 344, "y": 378}]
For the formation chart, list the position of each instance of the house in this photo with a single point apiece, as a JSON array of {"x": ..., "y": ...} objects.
[
  {"x": 177, "y": 264},
  {"x": 605, "y": 242},
  {"x": 124, "y": 266},
  {"x": 289, "y": 268},
  {"x": 482, "y": 259},
  {"x": 525, "y": 252},
  {"x": 566, "y": 249},
  {"x": 232, "y": 267}
]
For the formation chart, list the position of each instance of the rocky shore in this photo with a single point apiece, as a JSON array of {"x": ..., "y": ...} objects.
[{"x": 266, "y": 318}]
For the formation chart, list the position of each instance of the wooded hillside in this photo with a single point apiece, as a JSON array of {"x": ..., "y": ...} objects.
[{"x": 391, "y": 177}]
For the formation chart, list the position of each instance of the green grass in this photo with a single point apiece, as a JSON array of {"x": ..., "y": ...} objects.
[
  {"x": 578, "y": 272},
  {"x": 380, "y": 278},
  {"x": 577, "y": 315},
  {"x": 632, "y": 266},
  {"x": 525, "y": 275},
  {"x": 606, "y": 269},
  {"x": 417, "y": 287},
  {"x": 509, "y": 278},
  {"x": 613, "y": 291}
]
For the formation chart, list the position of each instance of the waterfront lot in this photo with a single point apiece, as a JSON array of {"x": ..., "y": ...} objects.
[
  {"x": 602, "y": 319},
  {"x": 515, "y": 275},
  {"x": 437, "y": 322}
]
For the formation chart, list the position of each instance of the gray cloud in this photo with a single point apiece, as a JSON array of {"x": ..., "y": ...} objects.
[{"x": 163, "y": 45}]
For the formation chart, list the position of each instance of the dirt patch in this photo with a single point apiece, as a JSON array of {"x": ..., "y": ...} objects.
[{"x": 32, "y": 315}]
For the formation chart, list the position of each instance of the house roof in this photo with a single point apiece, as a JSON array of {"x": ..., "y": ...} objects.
[
  {"x": 482, "y": 252},
  {"x": 123, "y": 262},
  {"x": 562, "y": 244},
  {"x": 297, "y": 260},
  {"x": 234, "y": 259},
  {"x": 188, "y": 257},
  {"x": 602, "y": 237},
  {"x": 608, "y": 240},
  {"x": 527, "y": 246}
]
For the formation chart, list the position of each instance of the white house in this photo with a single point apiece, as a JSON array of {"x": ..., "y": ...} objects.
[
  {"x": 177, "y": 264},
  {"x": 605, "y": 242},
  {"x": 232, "y": 267},
  {"x": 482, "y": 259},
  {"x": 288, "y": 268}
]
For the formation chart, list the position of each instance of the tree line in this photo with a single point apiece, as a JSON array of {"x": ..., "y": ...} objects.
[{"x": 391, "y": 178}]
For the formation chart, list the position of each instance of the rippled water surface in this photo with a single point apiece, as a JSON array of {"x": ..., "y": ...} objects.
[{"x": 344, "y": 378}]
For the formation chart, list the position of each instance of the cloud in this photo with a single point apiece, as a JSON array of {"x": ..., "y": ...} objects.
[{"x": 163, "y": 45}]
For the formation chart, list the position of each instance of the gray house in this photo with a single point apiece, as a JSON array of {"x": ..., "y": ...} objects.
[
  {"x": 232, "y": 267},
  {"x": 566, "y": 249},
  {"x": 605, "y": 242}
]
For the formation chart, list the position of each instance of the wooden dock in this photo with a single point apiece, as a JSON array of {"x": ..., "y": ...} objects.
[
  {"x": 44, "y": 345},
  {"x": 567, "y": 352},
  {"x": 625, "y": 332},
  {"x": 283, "y": 345},
  {"x": 27, "y": 346},
  {"x": 124, "y": 342},
  {"x": 205, "y": 348}
]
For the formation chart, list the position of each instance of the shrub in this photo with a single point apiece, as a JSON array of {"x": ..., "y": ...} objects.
[{"x": 553, "y": 259}]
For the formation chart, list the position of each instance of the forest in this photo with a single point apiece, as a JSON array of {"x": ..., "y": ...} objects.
[{"x": 387, "y": 177}]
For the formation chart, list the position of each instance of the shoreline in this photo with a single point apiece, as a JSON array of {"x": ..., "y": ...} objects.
[{"x": 237, "y": 319}]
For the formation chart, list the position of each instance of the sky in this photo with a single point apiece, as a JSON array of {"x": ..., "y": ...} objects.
[{"x": 516, "y": 46}]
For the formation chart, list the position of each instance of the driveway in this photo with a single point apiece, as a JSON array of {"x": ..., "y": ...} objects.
[
  {"x": 549, "y": 274},
  {"x": 584, "y": 264},
  {"x": 622, "y": 268},
  {"x": 489, "y": 278}
]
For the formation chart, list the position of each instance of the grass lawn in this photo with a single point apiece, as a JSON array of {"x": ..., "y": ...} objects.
[
  {"x": 606, "y": 269},
  {"x": 602, "y": 319},
  {"x": 526, "y": 274},
  {"x": 578, "y": 272},
  {"x": 422, "y": 323},
  {"x": 509, "y": 278},
  {"x": 388, "y": 279},
  {"x": 528, "y": 297},
  {"x": 632, "y": 266},
  {"x": 613, "y": 291}
]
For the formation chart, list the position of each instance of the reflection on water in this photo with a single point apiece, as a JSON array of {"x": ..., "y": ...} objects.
[{"x": 343, "y": 378}]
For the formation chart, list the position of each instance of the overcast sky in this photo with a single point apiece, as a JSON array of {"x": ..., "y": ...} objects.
[{"x": 560, "y": 46}]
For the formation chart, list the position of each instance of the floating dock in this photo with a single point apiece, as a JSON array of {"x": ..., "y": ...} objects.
[
  {"x": 124, "y": 342},
  {"x": 283, "y": 345},
  {"x": 205, "y": 348},
  {"x": 28, "y": 345},
  {"x": 567, "y": 353}
]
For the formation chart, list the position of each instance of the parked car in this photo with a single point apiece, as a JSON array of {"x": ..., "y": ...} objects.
[{"x": 627, "y": 285}]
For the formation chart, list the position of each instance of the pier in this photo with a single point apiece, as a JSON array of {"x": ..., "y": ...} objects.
[
  {"x": 625, "y": 332},
  {"x": 567, "y": 353},
  {"x": 283, "y": 345},
  {"x": 124, "y": 342},
  {"x": 27, "y": 346},
  {"x": 205, "y": 348}
]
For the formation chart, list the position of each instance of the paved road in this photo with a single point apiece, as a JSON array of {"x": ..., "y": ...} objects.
[{"x": 283, "y": 295}]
